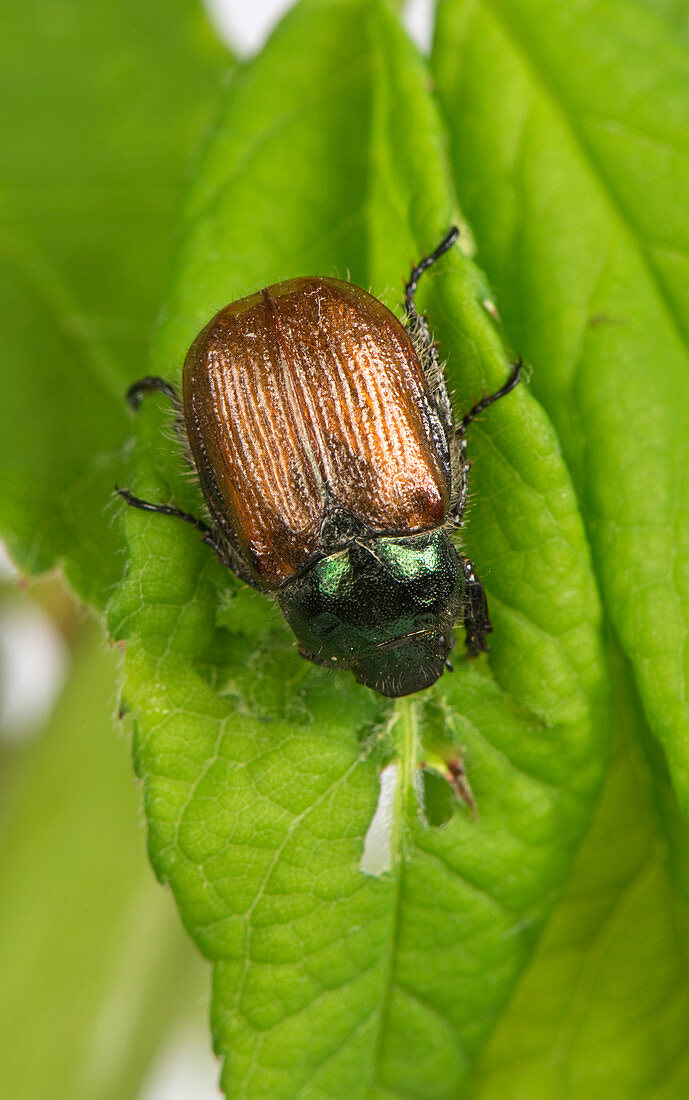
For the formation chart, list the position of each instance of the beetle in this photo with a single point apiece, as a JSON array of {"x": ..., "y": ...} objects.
[{"x": 335, "y": 474}]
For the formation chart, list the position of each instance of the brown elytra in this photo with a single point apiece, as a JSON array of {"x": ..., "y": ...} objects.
[{"x": 303, "y": 398}]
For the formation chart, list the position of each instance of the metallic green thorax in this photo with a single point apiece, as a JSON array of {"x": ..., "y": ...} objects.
[{"x": 383, "y": 607}]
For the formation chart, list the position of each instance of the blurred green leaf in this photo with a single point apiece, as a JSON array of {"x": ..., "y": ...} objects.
[
  {"x": 261, "y": 771},
  {"x": 675, "y": 13},
  {"x": 603, "y": 1008},
  {"x": 571, "y": 152},
  {"x": 94, "y": 966},
  {"x": 107, "y": 101}
]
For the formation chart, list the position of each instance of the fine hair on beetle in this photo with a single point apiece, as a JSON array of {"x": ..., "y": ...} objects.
[{"x": 334, "y": 472}]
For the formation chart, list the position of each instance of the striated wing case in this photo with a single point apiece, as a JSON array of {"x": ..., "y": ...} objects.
[{"x": 304, "y": 403}]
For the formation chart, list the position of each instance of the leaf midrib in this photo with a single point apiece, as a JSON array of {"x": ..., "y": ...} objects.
[{"x": 405, "y": 761}]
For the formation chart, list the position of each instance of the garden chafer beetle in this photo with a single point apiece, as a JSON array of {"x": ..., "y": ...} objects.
[{"x": 335, "y": 474}]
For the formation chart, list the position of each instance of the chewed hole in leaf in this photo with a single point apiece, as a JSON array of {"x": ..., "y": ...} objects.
[
  {"x": 377, "y": 856},
  {"x": 439, "y": 801}
]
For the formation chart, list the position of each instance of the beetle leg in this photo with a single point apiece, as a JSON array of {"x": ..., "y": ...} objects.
[
  {"x": 475, "y": 615},
  {"x": 417, "y": 323},
  {"x": 149, "y": 384},
  {"x": 441, "y": 419},
  {"x": 428, "y": 261},
  {"x": 513, "y": 379},
  {"x": 225, "y": 553},
  {"x": 168, "y": 510}
]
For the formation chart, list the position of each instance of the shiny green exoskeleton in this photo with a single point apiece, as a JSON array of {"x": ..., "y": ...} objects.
[
  {"x": 412, "y": 589},
  {"x": 334, "y": 474}
]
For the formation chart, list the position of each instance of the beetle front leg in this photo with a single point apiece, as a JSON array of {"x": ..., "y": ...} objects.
[{"x": 475, "y": 616}]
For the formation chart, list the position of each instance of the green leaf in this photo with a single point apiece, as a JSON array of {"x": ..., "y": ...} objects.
[
  {"x": 94, "y": 966},
  {"x": 570, "y": 150},
  {"x": 107, "y": 102},
  {"x": 603, "y": 1008},
  {"x": 675, "y": 14},
  {"x": 261, "y": 771}
]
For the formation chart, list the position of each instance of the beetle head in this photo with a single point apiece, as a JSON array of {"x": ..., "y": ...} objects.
[{"x": 383, "y": 607}]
